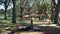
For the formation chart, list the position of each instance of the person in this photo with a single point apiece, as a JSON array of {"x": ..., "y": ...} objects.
[
  {"x": 42, "y": 17},
  {"x": 48, "y": 31}
]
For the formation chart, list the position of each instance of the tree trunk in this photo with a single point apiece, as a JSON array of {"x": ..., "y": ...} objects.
[
  {"x": 56, "y": 13},
  {"x": 52, "y": 12},
  {"x": 5, "y": 13},
  {"x": 21, "y": 7},
  {"x": 21, "y": 12},
  {"x": 56, "y": 16},
  {"x": 52, "y": 16},
  {"x": 13, "y": 12}
]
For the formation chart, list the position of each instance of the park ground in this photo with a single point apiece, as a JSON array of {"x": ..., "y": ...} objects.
[{"x": 6, "y": 26}]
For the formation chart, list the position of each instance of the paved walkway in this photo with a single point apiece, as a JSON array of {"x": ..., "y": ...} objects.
[
  {"x": 54, "y": 25},
  {"x": 25, "y": 32},
  {"x": 32, "y": 33}
]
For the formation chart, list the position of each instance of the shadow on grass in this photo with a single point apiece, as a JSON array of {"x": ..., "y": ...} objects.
[{"x": 54, "y": 30}]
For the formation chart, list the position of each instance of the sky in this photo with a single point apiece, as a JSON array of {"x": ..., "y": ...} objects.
[{"x": 2, "y": 7}]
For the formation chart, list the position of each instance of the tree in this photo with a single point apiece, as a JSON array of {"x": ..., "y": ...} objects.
[
  {"x": 24, "y": 5},
  {"x": 13, "y": 12},
  {"x": 42, "y": 7},
  {"x": 56, "y": 12},
  {"x": 6, "y": 4},
  {"x": 52, "y": 11},
  {"x": 21, "y": 7}
]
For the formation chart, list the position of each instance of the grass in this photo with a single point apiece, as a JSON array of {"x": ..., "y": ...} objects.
[{"x": 54, "y": 30}]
